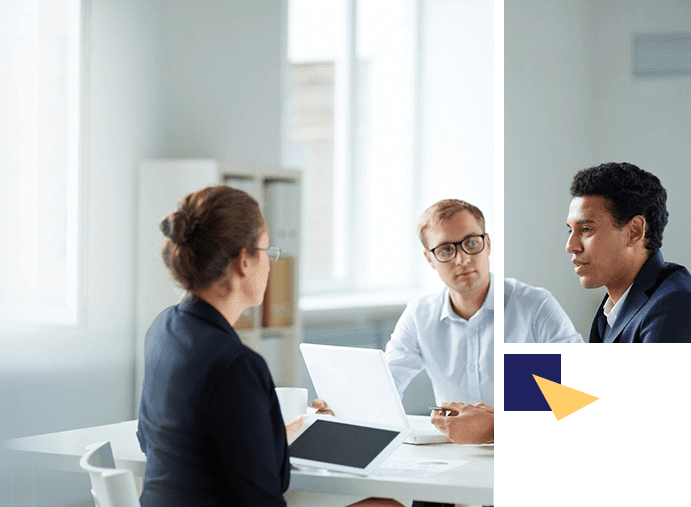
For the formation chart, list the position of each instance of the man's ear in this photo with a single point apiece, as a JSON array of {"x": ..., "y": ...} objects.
[
  {"x": 636, "y": 230},
  {"x": 429, "y": 255},
  {"x": 488, "y": 244}
]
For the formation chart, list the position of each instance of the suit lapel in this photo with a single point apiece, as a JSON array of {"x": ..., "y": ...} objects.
[
  {"x": 595, "y": 328},
  {"x": 637, "y": 297},
  {"x": 633, "y": 303}
]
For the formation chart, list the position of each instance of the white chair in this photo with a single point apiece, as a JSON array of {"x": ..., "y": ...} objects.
[{"x": 109, "y": 487}]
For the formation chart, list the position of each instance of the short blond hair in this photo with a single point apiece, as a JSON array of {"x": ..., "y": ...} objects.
[{"x": 444, "y": 210}]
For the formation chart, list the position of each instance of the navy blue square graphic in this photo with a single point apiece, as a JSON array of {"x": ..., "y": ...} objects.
[{"x": 521, "y": 392}]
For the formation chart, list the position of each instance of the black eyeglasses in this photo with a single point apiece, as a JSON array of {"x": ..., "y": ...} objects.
[
  {"x": 472, "y": 245},
  {"x": 273, "y": 252}
]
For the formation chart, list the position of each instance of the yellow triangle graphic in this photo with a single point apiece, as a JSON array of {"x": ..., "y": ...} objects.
[{"x": 561, "y": 399}]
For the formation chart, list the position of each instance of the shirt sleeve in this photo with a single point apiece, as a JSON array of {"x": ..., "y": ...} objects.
[
  {"x": 552, "y": 324},
  {"x": 249, "y": 433},
  {"x": 402, "y": 351}
]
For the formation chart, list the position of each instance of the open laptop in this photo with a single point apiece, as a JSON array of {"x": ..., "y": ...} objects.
[
  {"x": 357, "y": 384},
  {"x": 344, "y": 446}
]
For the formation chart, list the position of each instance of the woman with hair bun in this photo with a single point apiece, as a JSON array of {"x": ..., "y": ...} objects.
[{"x": 209, "y": 421}]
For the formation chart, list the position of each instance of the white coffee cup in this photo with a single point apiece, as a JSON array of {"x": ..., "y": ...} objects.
[{"x": 293, "y": 401}]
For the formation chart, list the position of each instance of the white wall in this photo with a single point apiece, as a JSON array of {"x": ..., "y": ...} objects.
[
  {"x": 571, "y": 101},
  {"x": 646, "y": 120},
  {"x": 221, "y": 81}
]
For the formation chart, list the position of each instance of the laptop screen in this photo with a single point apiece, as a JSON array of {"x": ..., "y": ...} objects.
[{"x": 356, "y": 383}]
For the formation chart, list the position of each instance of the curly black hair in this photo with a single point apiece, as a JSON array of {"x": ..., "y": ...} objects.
[{"x": 628, "y": 191}]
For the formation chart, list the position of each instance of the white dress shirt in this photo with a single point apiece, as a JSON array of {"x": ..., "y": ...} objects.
[
  {"x": 612, "y": 310},
  {"x": 533, "y": 315},
  {"x": 458, "y": 354}
]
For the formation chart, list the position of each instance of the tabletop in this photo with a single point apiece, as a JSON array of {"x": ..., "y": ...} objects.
[{"x": 470, "y": 483}]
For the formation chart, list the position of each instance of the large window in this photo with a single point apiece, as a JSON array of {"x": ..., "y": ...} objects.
[
  {"x": 39, "y": 160},
  {"x": 352, "y": 118}
]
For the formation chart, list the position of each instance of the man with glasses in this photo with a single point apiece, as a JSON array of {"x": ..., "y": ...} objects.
[{"x": 451, "y": 334}]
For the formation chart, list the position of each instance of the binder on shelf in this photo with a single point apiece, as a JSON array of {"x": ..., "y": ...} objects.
[
  {"x": 278, "y": 307},
  {"x": 282, "y": 214}
]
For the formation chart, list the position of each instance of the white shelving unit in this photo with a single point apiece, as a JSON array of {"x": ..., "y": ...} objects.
[{"x": 162, "y": 184}]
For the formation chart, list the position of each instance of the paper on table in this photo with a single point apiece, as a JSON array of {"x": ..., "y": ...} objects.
[{"x": 420, "y": 468}]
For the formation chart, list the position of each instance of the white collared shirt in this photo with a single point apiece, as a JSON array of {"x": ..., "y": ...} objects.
[
  {"x": 458, "y": 354},
  {"x": 612, "y": 310},
  {"x": 533, "y": 315}
]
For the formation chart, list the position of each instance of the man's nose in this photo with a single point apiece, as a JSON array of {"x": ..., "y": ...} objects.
[
  {"x": 572, "y": 244},
  {"x": 461, "y": 256}
]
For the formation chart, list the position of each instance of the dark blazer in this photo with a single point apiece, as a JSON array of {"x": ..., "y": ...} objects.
[
  {"x": 209, "y": 421},
  {"x": 657, "y": 308}
]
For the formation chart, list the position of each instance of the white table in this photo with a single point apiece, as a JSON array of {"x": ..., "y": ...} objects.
[{"x": 472, "y": 483}]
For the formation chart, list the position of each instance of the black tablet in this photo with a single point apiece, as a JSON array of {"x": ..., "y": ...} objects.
[{"x": 344, "y": 446}]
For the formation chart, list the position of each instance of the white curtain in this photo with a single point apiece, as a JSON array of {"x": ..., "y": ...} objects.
[{"x": 39, "y": 160}]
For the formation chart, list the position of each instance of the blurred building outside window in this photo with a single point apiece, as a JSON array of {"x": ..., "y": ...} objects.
[{"x": 351, "y": 127}]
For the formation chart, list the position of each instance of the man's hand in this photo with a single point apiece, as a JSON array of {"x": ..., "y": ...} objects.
[
  {"x": 464, "y": 423},
  {"x": 484, "y": 406},
  {"x": 293, "y": 427},
  {"x": 322, "y": 407}
]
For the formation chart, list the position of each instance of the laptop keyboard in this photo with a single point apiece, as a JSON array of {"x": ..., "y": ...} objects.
[{"x": 426, "y": 432}]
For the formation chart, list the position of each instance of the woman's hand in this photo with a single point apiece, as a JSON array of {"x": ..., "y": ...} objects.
[{"x": 293, "y": 427}]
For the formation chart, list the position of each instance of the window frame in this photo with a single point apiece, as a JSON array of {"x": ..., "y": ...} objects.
[{"x": 340, "y": 290}]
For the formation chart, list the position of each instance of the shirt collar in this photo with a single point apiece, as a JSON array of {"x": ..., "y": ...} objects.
[
  {"x": 612, "y": 310},
  {"x": 448, "y": 313}
]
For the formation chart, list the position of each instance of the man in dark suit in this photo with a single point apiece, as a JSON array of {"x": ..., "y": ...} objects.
[{"x": 616, "y": 219}]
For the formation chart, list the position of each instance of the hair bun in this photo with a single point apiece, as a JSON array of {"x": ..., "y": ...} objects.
[
  {"x": 165, "y": 227},
  {"x": 178, "y": 227},
  {"x": 208, "y": 230},
  {"x": 187, "y": 229}
]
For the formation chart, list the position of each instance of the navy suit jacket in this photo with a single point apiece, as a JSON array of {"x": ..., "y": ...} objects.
[
  {"x": 657, "y": 308},
  {"x": 210, "y": 423}
]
